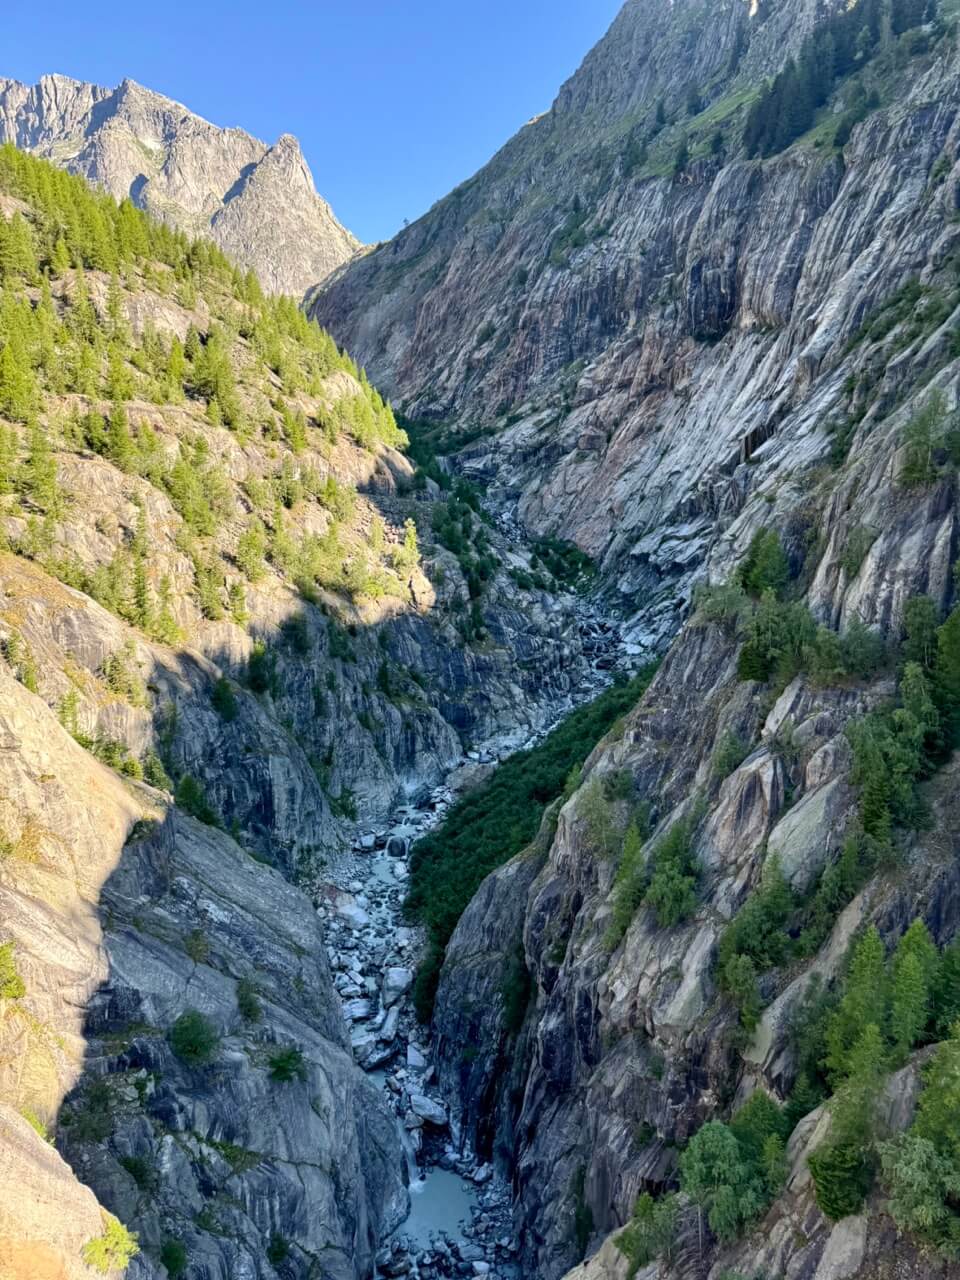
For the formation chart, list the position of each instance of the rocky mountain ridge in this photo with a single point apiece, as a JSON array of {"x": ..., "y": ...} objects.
[
  {"x": 257, "y": 202},
  {"x": 653, "y": 355}
]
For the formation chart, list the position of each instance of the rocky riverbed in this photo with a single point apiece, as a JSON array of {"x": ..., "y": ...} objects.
[{"x": 460, "y": 1221}]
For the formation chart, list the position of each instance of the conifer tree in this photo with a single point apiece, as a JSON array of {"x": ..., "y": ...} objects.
[
  {"x": 120, "y": 448},
  {"x": 38, "y": 475},
  {"x": 60, "y": 262},
  {"x": 946, "y": 989},
  {"x": 920, "y": 619},
  {"x": 946, "y": 679},
  {"x": 18, "y": 257},
  {"x": 863, "y": 1003},
  {"x": 18, "y": 389},
  {"x": 8, "y": 459}
]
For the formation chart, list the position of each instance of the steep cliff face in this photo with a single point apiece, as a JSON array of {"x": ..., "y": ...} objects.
[
  {"x": 741, "y": 345},
  {"x": 255, "y": 201},
  {"x": 124, "y": 915},
  {"x": 646, "y": 354},
  {"x": 224, "y": 608},
  {"x": 629, "y": 1045}
]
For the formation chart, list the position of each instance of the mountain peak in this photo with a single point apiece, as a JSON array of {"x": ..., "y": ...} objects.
[{"x": 257, "y": 202}]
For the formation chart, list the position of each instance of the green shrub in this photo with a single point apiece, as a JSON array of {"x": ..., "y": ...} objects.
[
  {"x": 921, "y": 1168},
  {"x": 194, "y": 1038},
  {"x": 740, "y": 980},
  {"x": 296, "y": 633},
  {"x": 765, "y": 567},
  {"x": 777, "y": 638},
  {"x": 920, "y": 621},
  {"x": 154, "y": 772},
  {"x": 262, "y": 670},
  {"x": 890, "y": 758},
  {"x": 287, "y": 1065},
  {"x": 650, "y": 1233},
  {"x": 717, "y": 1174},
  {"x": 672, "y": 888},
  {"x": 858, "y": 543},
  {"x": 515, "y": 991},
  {"x": 224, "y": 699},
  {"x": 278, "y": 1250},
  {"x": 141, "y": 1171},
  {"x": 92, "y": 1120},
  {"x": 173, "y": 1255},
  {"x": 197, "y": 946},
  {"x": 36, "y": 1124},
  {"x": 730, "y": 753},
  {"x": 924, "y": 1186},
  {"x": 191, "y": 799},
  {"x": 12, "y": 986},
  {"x": 113, "y": 1250},
  {"x": 344, "y": 805},
  {"x": 594, "y": 809},
  {"x": 920, "y": 439},
  {"x": 629, "y": 887},
  {"x": 758, "y": 929},
  {"x": 248, "y": 1001},
  {"x": 582, "y": 1213}
]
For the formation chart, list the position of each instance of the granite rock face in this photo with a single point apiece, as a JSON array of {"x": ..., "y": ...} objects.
[
  {"x": 621, "y": 1055},
  {"x": 124, "y": 914},
  {"x": 653, "y": 361},
  {"x": 257, "y": 202}
]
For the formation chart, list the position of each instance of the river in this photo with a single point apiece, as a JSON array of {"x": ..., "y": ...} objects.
[{"x": 460, "y": 1215}]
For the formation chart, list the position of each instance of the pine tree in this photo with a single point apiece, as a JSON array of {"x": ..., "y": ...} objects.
[
  {"x": 909, "y": 1005},
  {"x": 8, "y": 459},
  {"x": 142, "y": 606},
  {"x": 18, "y": 389},
  {"x": 60, "y": 262},
  {"x": 176, "y": 371},
  {"x": 38, "y": 475},
  {"x": 164, "y": 624},
  {"x": 863, "y": 1003},
  {"x": 120, "y": 448},
  {"x": 946, "y": 678},
  {"x": 18, "y": 257},
  {"x": 237, "y": 603},
  {"x": 119, "y": 378},
  {"x": 946, "y": 989},
  {"x": 920, "y": 620},
  {"x": 407, "y": 556},
  {"x": 841, "y": 1179}
]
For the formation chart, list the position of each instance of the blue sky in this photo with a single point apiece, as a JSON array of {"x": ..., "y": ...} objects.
[{"x": 394, "y": 101}]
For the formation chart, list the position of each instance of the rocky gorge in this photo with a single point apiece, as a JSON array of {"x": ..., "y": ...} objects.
[{"x": 264, "y": 644}]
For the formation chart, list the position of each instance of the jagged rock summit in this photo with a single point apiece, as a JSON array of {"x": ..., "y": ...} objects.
[{"x": 256, "y": 201}]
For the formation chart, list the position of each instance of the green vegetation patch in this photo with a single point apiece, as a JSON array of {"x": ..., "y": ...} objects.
[{"x": 493, "y": 823}]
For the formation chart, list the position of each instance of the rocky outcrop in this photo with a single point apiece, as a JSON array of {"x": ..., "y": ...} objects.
[
  {"x": 255, "y": 201},
  {"x": 624, "y": 1054},
  {"x": 794, "y": 1239},
  {"x": 124, "y": 915},
  {"x": 652, "y": 362}
]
